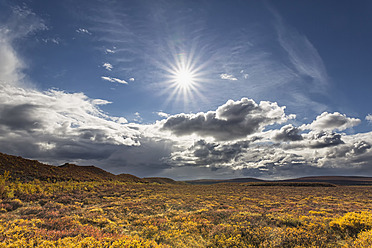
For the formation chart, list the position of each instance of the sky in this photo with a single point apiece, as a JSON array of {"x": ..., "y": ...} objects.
[{"x": 189, "y": 89}]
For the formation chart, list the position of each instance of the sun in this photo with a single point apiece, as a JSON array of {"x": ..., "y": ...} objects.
[{"x": 184, "y": 78}]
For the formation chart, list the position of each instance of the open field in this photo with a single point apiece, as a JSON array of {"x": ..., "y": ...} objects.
[{"x": 119, "y": 214}]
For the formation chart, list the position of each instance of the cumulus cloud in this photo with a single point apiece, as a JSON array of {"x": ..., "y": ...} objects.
[
  {"x": 114, "y": 80},
  {"x": 162, "y": 114},
  {"x": 287, "y": 133},
  {"x": 235, "y": 155},
  {"x": 107, "y": 66},
  {"x": 329, "y": 121},
  {"x": 324, "y": 139},
  {"x": 349, "y": 150},
  {"x": 233, "y": 120},
  {"x": 61, "y": 114},
  {"x": 228, "y": 77},
  {"x": 57, "y": 125}
]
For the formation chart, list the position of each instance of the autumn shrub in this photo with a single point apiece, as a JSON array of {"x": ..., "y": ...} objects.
[
  {"x": 353, "y": 223},
  {"x": 5, "y": 190},
  {"x": 364, "y": 240},
  {"x": 115, "y": 214},
  {"x": 11, "y": 204}
]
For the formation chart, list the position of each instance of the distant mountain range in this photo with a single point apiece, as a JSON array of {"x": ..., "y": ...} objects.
[
  {"x": 321, "y": 180},
  {"x": 27, "y": 170}
]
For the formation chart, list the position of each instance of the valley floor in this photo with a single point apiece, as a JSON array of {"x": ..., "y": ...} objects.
[{"x": 117, "y": 214}]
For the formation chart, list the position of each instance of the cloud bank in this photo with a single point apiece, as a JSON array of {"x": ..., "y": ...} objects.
[{"x": 233, "y": 120}]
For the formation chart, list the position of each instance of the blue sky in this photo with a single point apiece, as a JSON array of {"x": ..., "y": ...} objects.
[{"x": 189, "y": 89}]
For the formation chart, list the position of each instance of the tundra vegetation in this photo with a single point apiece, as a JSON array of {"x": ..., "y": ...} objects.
[{"x": 134, "y": 214}]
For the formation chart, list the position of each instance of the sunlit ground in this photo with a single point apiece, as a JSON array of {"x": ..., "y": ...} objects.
[{"x": 117, "y": 214}]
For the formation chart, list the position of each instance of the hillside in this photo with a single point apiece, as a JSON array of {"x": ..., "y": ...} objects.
[
  {"x": 27, "y": 170},
  {"x": 235, "y": 180},
  {"x": 340, "y": 180},
  {"x": 317, "y": 180},
  {"x": 162, "y": 180}
]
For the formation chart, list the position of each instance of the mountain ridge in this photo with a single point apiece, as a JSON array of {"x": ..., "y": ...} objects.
[{"x": 28, "y": 170}]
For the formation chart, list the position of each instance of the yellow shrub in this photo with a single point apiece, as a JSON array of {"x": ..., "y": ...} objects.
[
  {"x": 364, "y": 240},
  {"x": 353, "y": 223}
]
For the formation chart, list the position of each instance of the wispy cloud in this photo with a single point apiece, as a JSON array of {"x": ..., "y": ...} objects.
[
  {"x": 109, "y": 51},
  {"x": 52, "y": 40},
  {"x": 114, "y": 80},
  {"x": 107, "y": 66},
  {"x": 303, "y": 56},
  {"x": 21, "y": 23},
  {"x": 83, "y": 31},
  {"x": 369, "y": 118},
  {"x": 138, "y": 117},
  {"x": 228, "y": 77},
  {"x": 245, "y": 75}
]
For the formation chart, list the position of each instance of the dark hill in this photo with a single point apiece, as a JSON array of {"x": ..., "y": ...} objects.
[
  {"x": 27, "y": 170},
  {"x": 303, "y": 181},
  {"x": 85, "y": 173},
  {"x": 340, "y": 180},
  {"x": 131, "y": 178},
  {"x": 162, "y": 180},
  {"x": 235, "y": 180}
]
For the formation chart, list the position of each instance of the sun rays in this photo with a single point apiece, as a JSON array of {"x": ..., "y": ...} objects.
[{"x": 184, "y": 78}]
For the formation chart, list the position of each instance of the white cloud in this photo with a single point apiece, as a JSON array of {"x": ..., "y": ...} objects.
[
  {"x": 332, "y": 121},
  {"x": 10, "y": 66},
  {"x": 83, "y": 31},
  {"x": 162, "y": 114},
  {"x": 138, "y": 117},
  {"x": 369, "y": 118},
  {"x": 245, "y": 75},
  {"x": 109, "y": 51},
  {"x": 113, "y": 80},
  {"x": 232, "y": 120},
  {"x": 131, "y": 79},
  {"x": 60, "y": 114},
  {"x": 228, "y": 77},
  {"x": 107, "y": 66},
  {"x": 121, "y": 81},
  {"x": 51, "y": 40},
  {"x": 21, "y": 23}
]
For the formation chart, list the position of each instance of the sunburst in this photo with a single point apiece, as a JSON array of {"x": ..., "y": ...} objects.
[{"x": 184, "y": 78}]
